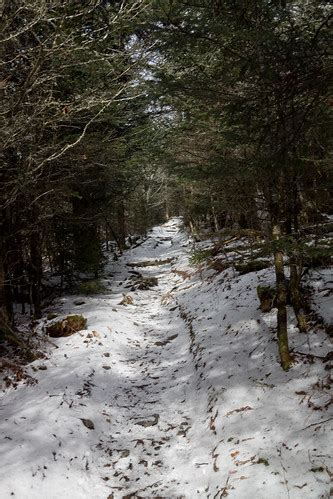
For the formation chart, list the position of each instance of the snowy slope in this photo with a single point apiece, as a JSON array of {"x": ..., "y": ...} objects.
[{"x": 179, "y": 394}]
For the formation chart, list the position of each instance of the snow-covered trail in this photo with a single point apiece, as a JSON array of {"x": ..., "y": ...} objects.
[
  {"x": 156, "y": 401},
  {"x": 132, "y": 377},
  {"x": 176, "y": 395}
]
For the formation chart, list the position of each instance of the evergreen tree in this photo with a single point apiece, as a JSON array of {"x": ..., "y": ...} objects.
[{"x": 249, "y": 81}]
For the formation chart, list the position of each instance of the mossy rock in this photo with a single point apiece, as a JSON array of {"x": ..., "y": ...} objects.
[
  {"x": 66, "y": 327},
  {"x": 252, "y": 266},
  {"x": 266, "y": 295},
  {"x": 94, "y": 287}
]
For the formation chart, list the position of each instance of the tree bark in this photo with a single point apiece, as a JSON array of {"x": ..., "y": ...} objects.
[
  {"x": 6, "y": 309},
  {"x": 281, "y": 301},
  {"x": 121, "y": 224},
  {"x": 4, "y": 314},
  {"x": 114, "y": 235},
  {"x": 296, "y": 294},
  {"x": 36, "y": 271}
]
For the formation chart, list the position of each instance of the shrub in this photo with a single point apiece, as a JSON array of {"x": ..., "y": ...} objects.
[
  {"x": 199, "y": 256},
  {"x": 318, "y": 257},
  {"x": 91, "y": 288}
]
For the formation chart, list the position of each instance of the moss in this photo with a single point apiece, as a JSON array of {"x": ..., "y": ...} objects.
[
  {"x": 94, "y": 287},
  {"x": 51, "y": 315},
  {"x": 66, "y": 327},
  {"x": 262, "y": 460}
]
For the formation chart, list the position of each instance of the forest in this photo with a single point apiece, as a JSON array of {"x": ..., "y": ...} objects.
[{"x": 157, "y": 154}]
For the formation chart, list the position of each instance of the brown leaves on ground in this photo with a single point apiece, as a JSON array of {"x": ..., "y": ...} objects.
[
  {"x": 127, "y": 300},
  {"x": 166, "y": 298},
  {"x": 241, "y": 409},
  {"x": 149, "y": 422},
  {"x": 16, "y": 373},
  {"x": 165, "y": 342},
  {"x": 182, "y": 273}
]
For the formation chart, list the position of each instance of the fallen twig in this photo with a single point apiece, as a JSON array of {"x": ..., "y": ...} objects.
[
  {"x": 315, "y": 424},
  {"x": 150, "y": 263}
]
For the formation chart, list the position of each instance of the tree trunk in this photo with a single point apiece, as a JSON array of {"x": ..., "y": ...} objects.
[
  {"x": 296, "y": 294},
  {"x": 166, "y": 210},
  {"x": 114, "y": 235},
  {"x": 193, "y": 228},
  {"x": 5, "y": 319},
  {"x": 36, "y": 271},
  {"x": 6, "y": 309},
  {"x": 166, "y": 202},
  {"x": 121, "y": 224},
  {"x": 214, "y": 221},
  {"x": 281, "y": 301}
]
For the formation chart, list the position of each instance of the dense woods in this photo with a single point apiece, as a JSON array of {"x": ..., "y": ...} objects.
[
  {"x": 117, "y": 115},
  {"x": 72, "y": 129}
]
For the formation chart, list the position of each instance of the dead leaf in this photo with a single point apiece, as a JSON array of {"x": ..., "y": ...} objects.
[
  {"x": 240, "y": 463},
  {"x": 147, "y": 423},
  {"x": 127, "y": 300},
  {"x": 88, "y": 423},
  {"x": 241, "y": 409}
]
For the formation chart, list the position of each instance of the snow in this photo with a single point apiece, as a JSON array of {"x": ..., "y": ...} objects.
[
  {"x": 321, "y": 282},
  {"x": 183, "y": 388}
]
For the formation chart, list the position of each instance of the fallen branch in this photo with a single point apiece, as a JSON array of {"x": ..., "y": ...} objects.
[
  {"x": 316, "y": 424},
  {"x": 150, "y": 263}
]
